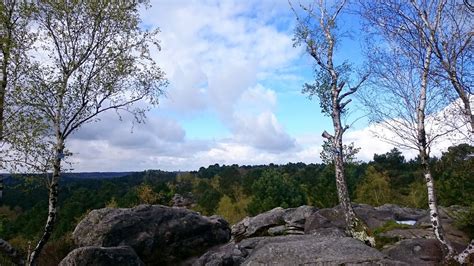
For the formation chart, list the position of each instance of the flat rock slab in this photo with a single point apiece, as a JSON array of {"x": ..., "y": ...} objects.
[{"x": 313, "y": 250}]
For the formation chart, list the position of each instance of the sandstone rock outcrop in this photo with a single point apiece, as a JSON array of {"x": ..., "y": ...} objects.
[
  {"x": 158, "y": 234},
  {"x": 278, "y": 221}
]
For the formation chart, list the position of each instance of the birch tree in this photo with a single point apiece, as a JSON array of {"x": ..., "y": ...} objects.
[
  {"x": 14, "y": 43},
  {"x": 449, "y": 34},
  {"x": 446, "y": 26},
  {"x": 405, "y": 96},
  {"x": 317, "y": 30},
  {"x": 94, "y": 58}
]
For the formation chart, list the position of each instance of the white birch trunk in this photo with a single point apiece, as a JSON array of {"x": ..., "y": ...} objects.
[
  {"x": 52, "y": 205},
  {"x": 461, "y": 257},
  {"x": 53, "y": 186},
  {"x": 424, "y": 156},
  {"x": 355, "y": 227}
]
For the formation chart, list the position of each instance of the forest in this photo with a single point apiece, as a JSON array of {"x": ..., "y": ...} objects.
[{"x": 234, "y": 192}]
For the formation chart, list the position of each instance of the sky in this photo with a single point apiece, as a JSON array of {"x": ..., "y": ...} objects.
[{"x": 234, "y": 94}]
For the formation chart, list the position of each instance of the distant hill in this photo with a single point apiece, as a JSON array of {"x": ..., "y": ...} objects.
[
  {"x": 87, "y": 175},
  {"x": 97, "y": 175}
]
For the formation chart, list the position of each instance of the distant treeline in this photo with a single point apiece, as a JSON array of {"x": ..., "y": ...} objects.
[{"x": 234, "y": 191}]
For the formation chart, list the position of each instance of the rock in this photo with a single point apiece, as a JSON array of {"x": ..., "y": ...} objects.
[
  {"x": 309, "y": 249},
  {"x": 158, "y": 234},
  {"x": 329, "y": 232},
  {"x": 228, "y": 254},
  {"x": 334, "y": 217},
  {"x": 402, "y": 213},
  {"x": 409, "y": 233},
  {"x": 296, "y": 217},
  {"x": 324, "y": 218},
  {"x": 377, "y": 216},
  {"x": 183, "y": 201},
  {"x": 458, "y": 238},
  {"x": 373, "y": 217},
  {"x": 258, "y": 225},
  {"x": 118, "y": 256},
  {"x": 276, "y": 231},
  {"x": 295, "y": 250},
  {"x": 292, "y": 219},
  {"x": 416, "y": 251}
]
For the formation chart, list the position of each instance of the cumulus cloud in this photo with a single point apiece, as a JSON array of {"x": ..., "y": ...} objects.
[
  {"x": 227, "y": 44},
  {"x": 263, "y": 132},
  {"x": 257, "y": 99},
  {"x": 111, "y": 144},
  {"x": 187, "y": 92}
]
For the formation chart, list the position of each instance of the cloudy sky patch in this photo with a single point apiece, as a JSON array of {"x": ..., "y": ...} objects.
[{"x": 234, "y": 95}]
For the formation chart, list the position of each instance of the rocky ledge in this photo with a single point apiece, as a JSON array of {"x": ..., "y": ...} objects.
[{"x": 160, "y": 235}]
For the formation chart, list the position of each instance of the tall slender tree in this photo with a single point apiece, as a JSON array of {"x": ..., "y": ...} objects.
[
  {"x": 405, "y": 96},
  {"x": 317, "y": 30},
  {"x": 98, "y": 59},
  {"x": 15, "y": 41}
]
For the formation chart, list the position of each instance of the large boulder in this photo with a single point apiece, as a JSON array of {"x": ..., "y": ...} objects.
[
  {"x": 278, "y": 221},
  {"x": 158, "y": 234},
  {"x": 416, "y": 251},
  {"x": 117, "y": 256}
]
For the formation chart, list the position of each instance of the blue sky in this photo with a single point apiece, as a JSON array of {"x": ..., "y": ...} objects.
[{"x": 234, "y": 94}]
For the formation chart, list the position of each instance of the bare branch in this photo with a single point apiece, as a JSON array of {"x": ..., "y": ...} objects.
[
  {"x": 343, "y": 105},
  {"x": 328, "y": 136}
]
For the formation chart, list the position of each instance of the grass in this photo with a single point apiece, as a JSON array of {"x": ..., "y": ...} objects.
[{"x": 382, "y": 241}]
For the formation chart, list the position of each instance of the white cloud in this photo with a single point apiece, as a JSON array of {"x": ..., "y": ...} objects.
[
  {"x": 444, "y": 129},
  {"x": 256, "y": 99},
  {"x": 263, "y": 132},
  {"x": 187, "y": 94},
  {"x": 370, "y": 143},
  {"x": 229, "y": 44}
]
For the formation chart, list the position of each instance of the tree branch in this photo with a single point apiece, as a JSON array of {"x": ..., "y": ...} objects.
[
  {"x": 343, "y": 105},
  {"x": 327, "y": 136}
]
